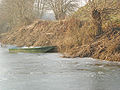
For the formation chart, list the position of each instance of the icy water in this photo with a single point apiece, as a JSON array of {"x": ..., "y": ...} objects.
[{"x": 51, "y": 72}]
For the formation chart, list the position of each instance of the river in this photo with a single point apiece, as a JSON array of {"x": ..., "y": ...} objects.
[{"x": 48, "y": 71}]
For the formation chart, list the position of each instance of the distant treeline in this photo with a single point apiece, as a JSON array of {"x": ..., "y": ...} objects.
[{"x": 14, "y": 13}]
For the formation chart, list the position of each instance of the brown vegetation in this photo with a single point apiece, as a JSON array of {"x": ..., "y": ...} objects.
[
  {"x": 77, "y": 39},
  {"x": 96, "y": 36},
  {"x": 105, "y": 47},
  {"x": 37, "y": 34}
]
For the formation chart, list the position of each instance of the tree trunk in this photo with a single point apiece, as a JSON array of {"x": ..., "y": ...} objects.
[
  {"x": 96, "y": 15},
  {"x": 60, "y": 16}
]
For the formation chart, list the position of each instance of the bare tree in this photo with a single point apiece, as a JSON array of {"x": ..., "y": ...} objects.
[
  {"x": 62, "y": 7},
  {"x": 100, "y": 11},
  {"x": 16, "y": 12},
  {"x": 40, "y": 7},
  {"x": 19, "y": 12}
]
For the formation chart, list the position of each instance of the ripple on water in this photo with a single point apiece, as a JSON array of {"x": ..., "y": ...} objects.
[{"x": 51, "y": 72}]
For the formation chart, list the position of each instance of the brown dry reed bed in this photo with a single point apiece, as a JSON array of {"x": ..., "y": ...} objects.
[
  {"x": 74, "y": 38},
  {"x": 83, "y": 42}
]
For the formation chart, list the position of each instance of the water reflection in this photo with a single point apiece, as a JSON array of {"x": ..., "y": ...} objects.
[{"x": 50, "y": 72}]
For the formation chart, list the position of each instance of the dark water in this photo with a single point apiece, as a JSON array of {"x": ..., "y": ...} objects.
[{"x": 50, "y": 72}]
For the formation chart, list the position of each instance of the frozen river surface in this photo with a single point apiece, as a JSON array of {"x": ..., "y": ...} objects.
[{"x": 51, "y": 72}]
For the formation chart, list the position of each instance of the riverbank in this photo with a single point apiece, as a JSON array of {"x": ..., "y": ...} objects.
[
  {"x": 70, "y": 41},
  {"x": 76, "y": 36},
  {"x": 39, "y": 33}
]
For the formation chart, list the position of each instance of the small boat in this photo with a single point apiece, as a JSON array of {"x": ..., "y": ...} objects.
[{"x": 42, "y": 49}]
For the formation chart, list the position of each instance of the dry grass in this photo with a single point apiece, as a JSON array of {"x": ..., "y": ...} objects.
[
  {"x": 74, "y": 37},
  {"x": 104, "y": 47},
  {"x": 39, "y": 33}
]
